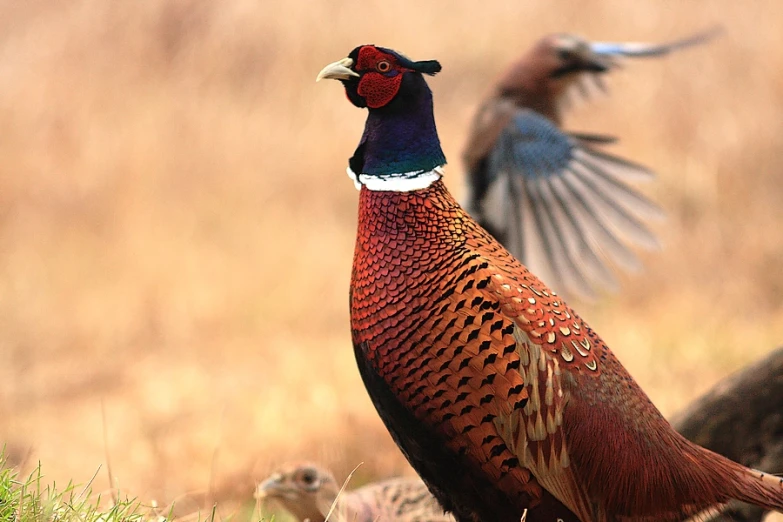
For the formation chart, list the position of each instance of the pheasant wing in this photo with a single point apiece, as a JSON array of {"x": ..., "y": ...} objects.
[{"x": 550, "y": 344}]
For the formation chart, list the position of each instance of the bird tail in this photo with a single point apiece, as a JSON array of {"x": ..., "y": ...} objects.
[
  {"x": 759, "y": 488},
  {"x": 720, "y": 480}
]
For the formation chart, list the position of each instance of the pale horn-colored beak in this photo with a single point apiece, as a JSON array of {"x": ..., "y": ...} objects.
[
  {"x": 271, "y": 487},
  {"x": 338, "y": 70}
]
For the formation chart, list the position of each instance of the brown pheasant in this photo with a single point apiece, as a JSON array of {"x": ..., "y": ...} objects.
[
  {"x": 498, "y": 393},
  {"x": 308, "y": 492}
]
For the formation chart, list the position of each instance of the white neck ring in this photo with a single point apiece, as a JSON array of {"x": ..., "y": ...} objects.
[{"x": 402, "y": 182}]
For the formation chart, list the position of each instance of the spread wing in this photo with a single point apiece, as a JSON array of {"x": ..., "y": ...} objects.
[
  {"x": 653, "y": 50},
  {"x": 562, "y": 206},
  {"x": 613, "y": 56}
]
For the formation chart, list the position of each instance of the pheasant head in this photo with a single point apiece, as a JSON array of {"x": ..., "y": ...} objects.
[
  {"x": 400, "y": 142},
  {"x": 304, "y": 489}
]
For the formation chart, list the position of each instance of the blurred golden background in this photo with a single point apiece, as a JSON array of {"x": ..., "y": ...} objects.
[{"x": 176, "y": 226}]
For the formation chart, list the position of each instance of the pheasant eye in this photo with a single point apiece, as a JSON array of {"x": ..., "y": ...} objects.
[
  {"x": 308, "y": 477},
  {"x": 565, "y": 54},
  {"x": 383, "y": 66}
]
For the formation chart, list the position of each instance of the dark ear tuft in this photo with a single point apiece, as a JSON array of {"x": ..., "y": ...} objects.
[{"x": 430, "y": 67}]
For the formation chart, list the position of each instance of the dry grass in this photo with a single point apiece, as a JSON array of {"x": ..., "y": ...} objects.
[{"x": 176, "y": 227}]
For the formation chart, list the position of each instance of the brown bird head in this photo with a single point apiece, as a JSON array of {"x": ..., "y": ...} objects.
[
  {"x": 304, "y": 489},
  {"x": 570, "y": 54},
  {"x": 540, "y": 78}
]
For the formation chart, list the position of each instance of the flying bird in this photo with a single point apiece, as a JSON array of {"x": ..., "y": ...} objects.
[
  {"x": 560, "y": 203},
  {"x": 500, "y": 396},
  {"x": 308, "y": 491}
]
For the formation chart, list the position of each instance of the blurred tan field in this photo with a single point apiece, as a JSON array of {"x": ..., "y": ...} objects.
[{"x": 176, "y": 226}]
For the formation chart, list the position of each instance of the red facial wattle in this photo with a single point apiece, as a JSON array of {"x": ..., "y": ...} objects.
[
  {"x": 378, "y": 89},
  {"x": 382, "y": 79}
]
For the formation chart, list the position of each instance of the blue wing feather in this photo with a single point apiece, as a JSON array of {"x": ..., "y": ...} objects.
[{"x": 554, "y": 193}]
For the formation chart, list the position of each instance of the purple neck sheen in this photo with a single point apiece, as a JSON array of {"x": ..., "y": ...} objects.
[{"x": 400, "y": 137}]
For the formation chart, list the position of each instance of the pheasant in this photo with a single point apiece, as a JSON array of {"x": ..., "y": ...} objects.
[
  {"x": 308, "y": 492},
  {"x": 499, "y": 395},
  {"x": 563, "y": 206}
]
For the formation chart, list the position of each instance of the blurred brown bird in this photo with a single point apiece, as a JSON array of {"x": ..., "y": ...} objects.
[
  {"x": 308, "y": 491},
  {"x": 561, "y": 205}
]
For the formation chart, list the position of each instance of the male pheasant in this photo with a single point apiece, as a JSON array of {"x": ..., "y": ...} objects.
[
  {"x": 500, "y": 396},
  {"x": 560, "y": 204},
  {"x": 308, "y": 492}
]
